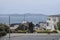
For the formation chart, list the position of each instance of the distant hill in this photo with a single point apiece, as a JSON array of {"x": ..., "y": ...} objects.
[
  {"x": 27, "y": 14},
  {"x": 28, "y": 17}
]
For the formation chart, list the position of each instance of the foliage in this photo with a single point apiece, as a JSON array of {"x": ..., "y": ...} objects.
[
  {"x": 31, "y": 26},
  {"x": 3, "y": 29},
  {"x": 58, "y": 24},
  {"x": 22, "y": 31},
  {"x": 54, "y": 31},
  {"x": 45, "y": 31},
  {"x": 2, "y": 33},
  {"x": 27, "y": 26},
  {"x": 55, "y": 27}
]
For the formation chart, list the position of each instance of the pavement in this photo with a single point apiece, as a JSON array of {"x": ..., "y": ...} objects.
[
  {"x": 27, "y": 34},
  {"x": 32, "y": 36}
]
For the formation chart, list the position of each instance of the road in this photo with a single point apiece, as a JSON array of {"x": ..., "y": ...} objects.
[{"x": 34, "y": 36}]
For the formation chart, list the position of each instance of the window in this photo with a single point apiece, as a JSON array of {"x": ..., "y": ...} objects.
[{"x": 47, "y": 24}]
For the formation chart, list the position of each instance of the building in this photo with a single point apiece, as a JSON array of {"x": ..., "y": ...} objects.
[
  {"x": 52, "y": 21},
  {"x": 40, "y": 26},
  {"x": 25, "y": 23},
  {"x": 19, "y": 25},
  {"x": 14, "y": 26}
]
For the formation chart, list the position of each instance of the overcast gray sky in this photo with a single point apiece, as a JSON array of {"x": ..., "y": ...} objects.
[{"x": 30, "y": 6}]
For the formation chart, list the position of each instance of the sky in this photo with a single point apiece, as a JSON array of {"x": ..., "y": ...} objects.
[{"x": 48, "y": 7}]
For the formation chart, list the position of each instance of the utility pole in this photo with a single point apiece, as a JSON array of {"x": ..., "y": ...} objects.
[
  {"x": 24, "y": 17},
  {"x": 9, "y": 27},
  {"x": 24, "y": 20}
]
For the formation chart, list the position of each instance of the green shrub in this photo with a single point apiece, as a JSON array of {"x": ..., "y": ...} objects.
[
  {"x": 2, "y": 33},
  {"x": 22, "y": 31},
  {"x": 54, "y": 31},
  {"x": 4, "y": 29},
  {"x": 46, "y": 31}
]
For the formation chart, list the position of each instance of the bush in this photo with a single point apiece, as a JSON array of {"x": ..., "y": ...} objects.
[
  {"x": 22, "y": 31},
  {"x": 46, "y": 31},
  {"x": 54, "y": 31},
  {"x": 3, "y": 29},
  {"x": 2, "y": 33},
  {"x": 12, "y": 31}
]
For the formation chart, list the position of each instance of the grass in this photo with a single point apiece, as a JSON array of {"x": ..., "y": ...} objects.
[
  {"x": 22, "y": 31},
  {"x": 46, "y": 31}
]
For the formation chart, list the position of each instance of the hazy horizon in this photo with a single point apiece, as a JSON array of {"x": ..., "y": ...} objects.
[{"x": 46, "y": 7}]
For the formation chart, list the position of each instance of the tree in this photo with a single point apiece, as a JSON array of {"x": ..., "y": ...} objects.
[
  {"x": 55, "y": 27},
  {"x": 3, "y": 29},
  {"x": 58, "y": 24},
  {"x": 6, "y": 28},
  {"x": 31, "y": 26}
]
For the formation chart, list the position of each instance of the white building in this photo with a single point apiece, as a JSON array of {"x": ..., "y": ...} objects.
[
  {"x": 14, "y": 27},
  {"x": 24, "y": 22},
  {"x": 42, "y": 25},
  {"x": 52, "y": 21}
]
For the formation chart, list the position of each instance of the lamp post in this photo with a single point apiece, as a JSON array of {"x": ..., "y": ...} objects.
[{"x": 9, "y": 27}]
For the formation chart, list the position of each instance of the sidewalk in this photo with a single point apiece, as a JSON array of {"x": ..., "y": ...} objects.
[{"x": 27, "y": 34}]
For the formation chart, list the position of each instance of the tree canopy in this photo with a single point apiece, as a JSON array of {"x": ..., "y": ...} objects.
[
  {"x": 58, "y": 24},
  {"x": 3, "y": 29}
]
